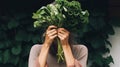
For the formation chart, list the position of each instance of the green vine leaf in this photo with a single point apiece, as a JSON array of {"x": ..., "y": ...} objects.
[
  {"x": 2, "y": 45},
  {"x": 6, "y": 56},
  {"x": 14, "y": 61},
  {"x": 108, "y": 42},
  {"x": 109, "y": 59},
  {"x": 21, "y": 36},
  {"x": 1, "y": 59},
  {"x": 97, "y": 43},
  {"x": 16, "y": 50},
  {"x": 12, "y": 24},
  {"x": 36, "y": 39}
]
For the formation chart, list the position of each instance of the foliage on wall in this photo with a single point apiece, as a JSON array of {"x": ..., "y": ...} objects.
[
  {"x": 96, "y": 40},
  {"x": 17, "y": 35}
]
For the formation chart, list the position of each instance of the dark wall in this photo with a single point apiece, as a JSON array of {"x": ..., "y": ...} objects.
[
  {"x": 22, "y": 5},
  {"x": 114, "y": 8}
]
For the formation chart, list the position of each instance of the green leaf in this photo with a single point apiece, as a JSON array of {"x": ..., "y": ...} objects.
[
  {"x": 109, "y": 59},
  {"x": 14, "y": 60},
  {"x": 16, "y": 50},
  {"x": 37, "y": 24},
  {"x": 21, "y": 36},
  {"x": 26, "y": 50},
  {"x": 4, "y": 27},
  {"x": 108, "y": 42},
  {"x": 23, "y": 64},
  {"x": 97, "y": 43},
  {"x": 4, "y": 35},
  {"x": 1, "y": 57},
  {"x": 30, "y": 36},
  {"x": 109, "y": 29},
  {"x": 36, "y": 39},
  {"x": 12, "y": 24},
  {"x": 7, "y": 43},
  {"x": 97, "y": 23},
  {"x": 1, "y": 45},
  {"x": 6, "y": 56}
]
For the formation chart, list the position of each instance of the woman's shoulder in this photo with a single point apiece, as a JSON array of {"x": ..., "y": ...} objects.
[
  {"x": 36, "y": 47},
  {"x": 80, "y": 53},
  {"x": 80, "y": 47}
]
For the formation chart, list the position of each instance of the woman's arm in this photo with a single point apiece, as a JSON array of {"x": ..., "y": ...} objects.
[
  {"x": 43, "y": 55},
  {"x": 34, "y": 51},
  {"x": 70, "y": 60},
  {"x": 63, "y": 34},
  {"x": 51, "y": 33},
  {"x": 37, "y": 63}
]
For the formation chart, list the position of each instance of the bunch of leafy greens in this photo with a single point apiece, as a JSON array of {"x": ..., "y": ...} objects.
[{"x": 62, "y": 13}]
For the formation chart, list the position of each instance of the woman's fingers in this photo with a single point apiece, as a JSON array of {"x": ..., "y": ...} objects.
[
  {"x": 51, "y": 27},
  {"x": 63, "y": 34},
  {"x": 51, "y": 31},
  {"x": 52, "y": 37},
  {"x": 53, "y": 34},
  {"x": 63, "y": 31}
]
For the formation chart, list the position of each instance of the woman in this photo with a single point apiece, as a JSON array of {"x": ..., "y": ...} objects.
[{"x": 44, "y": 56}]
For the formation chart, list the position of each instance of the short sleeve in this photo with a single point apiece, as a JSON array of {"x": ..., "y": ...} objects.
[
  {"x": 34, "y": 52},
  {"x": 81, "y": 54}
]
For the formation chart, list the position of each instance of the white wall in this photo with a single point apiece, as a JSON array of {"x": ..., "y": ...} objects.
[{"x": 115, "y": 50}]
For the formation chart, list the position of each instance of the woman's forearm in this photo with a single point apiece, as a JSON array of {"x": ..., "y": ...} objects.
[
  {"x": 43, "y": 55},
  {"x": 70, "y": 61}
]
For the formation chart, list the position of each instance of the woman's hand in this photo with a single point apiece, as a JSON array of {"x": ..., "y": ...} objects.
[
  {"x": 63, "y": 34},
  {"x": 51, "y": 34}
]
